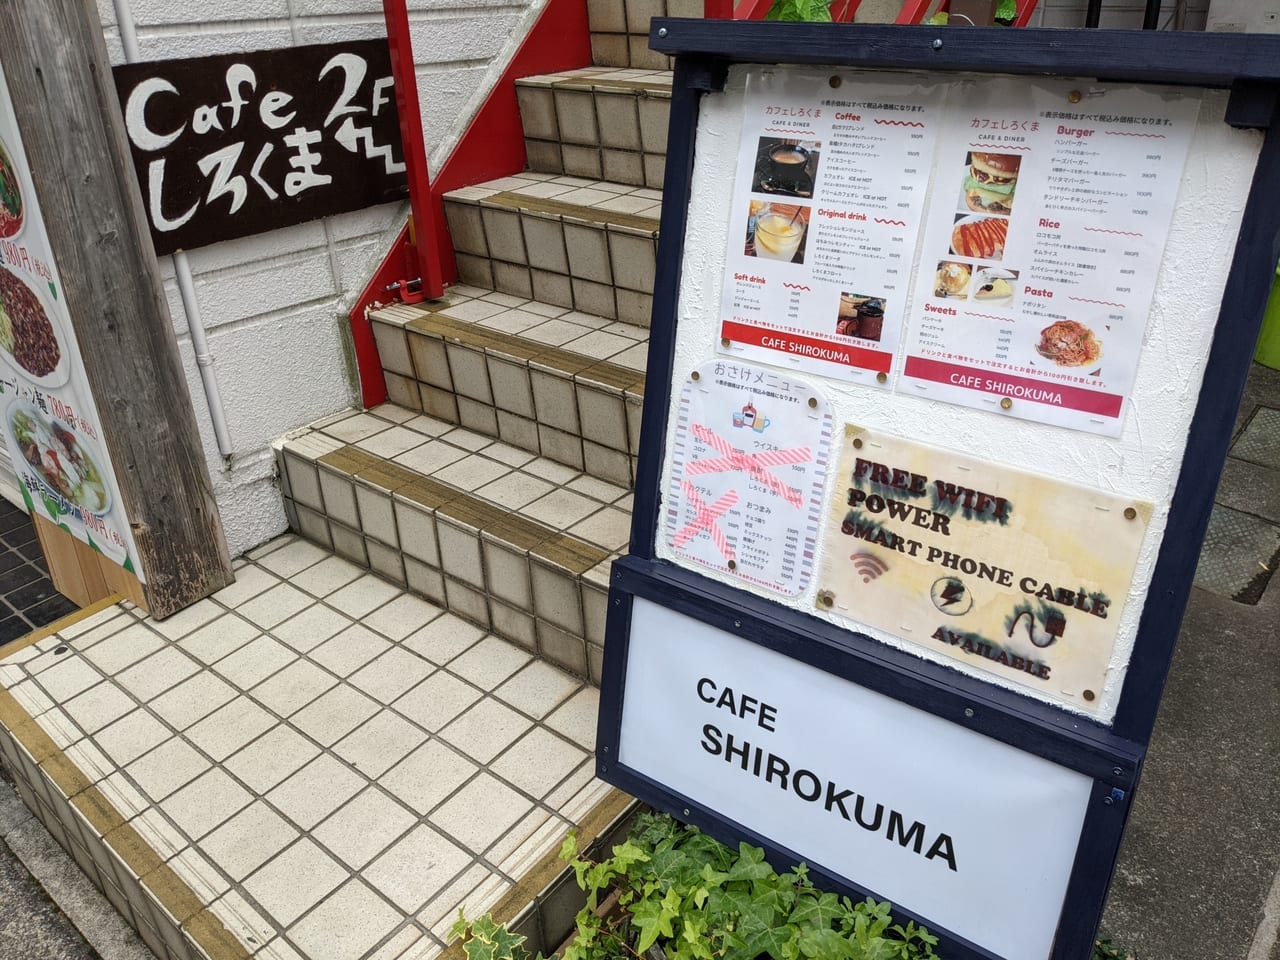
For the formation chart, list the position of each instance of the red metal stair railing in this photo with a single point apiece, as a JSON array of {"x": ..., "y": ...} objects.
[{"x": 843, "y": 11}]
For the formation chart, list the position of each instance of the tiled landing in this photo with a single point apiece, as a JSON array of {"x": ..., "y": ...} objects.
[{"x": 311, "y": 764}]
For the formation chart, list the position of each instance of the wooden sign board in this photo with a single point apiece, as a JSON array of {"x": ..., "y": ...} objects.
[
  {"x": 1011, "y": 566},
  {"x": 237, "y": 144}
]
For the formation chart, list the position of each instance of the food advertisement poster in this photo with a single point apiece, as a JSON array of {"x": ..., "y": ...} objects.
[
  {"x": 750, "y": 455},
  {"x": 1007, "y": 571},
  {"x": 1046, "y": 228},
  {"x": 828, "y": 203},
  {"x": 47, "y": 415}
]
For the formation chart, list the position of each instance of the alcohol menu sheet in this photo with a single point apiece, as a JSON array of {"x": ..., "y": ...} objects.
[
  {"x": 750, "y": 455},
  {"x": 1035, "y": 213}
]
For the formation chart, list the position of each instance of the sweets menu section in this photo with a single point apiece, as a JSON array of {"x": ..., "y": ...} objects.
[
  {"x": 49, "y": 423},
  {"x": 1035, "y": 214}
]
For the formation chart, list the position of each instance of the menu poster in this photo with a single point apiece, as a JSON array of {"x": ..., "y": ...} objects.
[
  {"x": 828, "y": 198},
  {"x": 47, "y": 415},
  {"x": 749, "y": 459},
  {"x": 1046, "y": 228},
  {"x": 1011, "y": 573}
]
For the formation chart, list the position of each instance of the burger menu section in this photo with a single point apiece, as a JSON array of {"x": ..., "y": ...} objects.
[
  {"x": 1046, "y": 229},
  {"x": 48, "y": 421},
  {"x": 828, "y": 202}
]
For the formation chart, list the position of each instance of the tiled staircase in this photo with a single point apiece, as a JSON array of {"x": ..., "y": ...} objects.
[{"x": 497, "y": 480}]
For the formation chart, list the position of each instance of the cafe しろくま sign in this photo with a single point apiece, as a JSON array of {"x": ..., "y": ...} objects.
[{"x": 233, "y": 145}]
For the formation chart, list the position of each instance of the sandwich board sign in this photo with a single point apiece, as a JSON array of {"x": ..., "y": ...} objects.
[{"x": 934, "y": 420}]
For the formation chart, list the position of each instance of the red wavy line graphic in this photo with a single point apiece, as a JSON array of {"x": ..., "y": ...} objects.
[
  {"x": 1105, "y": 303},
  {"x": 998, "y": 146},
  {"x": 896, "y": 223},
  {"x": 985, "y": 316},
  {"x": 798, "y": 133},
  {"x": 1126, "y": 133},
  {"x": 795, "y": 286},
  {"x": 1122, "y": 233},
  {"x": 899, "y": 123}
]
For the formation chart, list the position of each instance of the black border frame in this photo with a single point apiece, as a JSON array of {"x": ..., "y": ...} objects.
[{"x": 1247, "y": 65}]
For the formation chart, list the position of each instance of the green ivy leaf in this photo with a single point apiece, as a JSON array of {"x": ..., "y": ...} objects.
[
  {"x": 653, "y": 919},
  {"x": 821, "y": 911},
  {"x": 569, "y": 849},
  {"x": 750, "y": 864},
  {"x": 1007, "y": 10}
]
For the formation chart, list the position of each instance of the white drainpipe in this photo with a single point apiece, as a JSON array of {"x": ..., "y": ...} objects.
[{"x": 186, "y": 283}]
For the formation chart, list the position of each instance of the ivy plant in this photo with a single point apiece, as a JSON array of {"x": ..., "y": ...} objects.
[{"x": 682, "y": 895}]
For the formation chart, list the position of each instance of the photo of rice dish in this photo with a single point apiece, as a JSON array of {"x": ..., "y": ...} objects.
[
  {"x": 11, "y": 212},
  {"x": 26, "y": 333},
  {"x": 59, "y": 458}
]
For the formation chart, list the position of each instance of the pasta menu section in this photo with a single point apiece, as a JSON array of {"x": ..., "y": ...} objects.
[
  {"x": 48, "y": 420},
  {"x": 1035, "y": 214}
]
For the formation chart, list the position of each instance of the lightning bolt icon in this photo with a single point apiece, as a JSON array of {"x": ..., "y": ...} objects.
[{"x": 951, "y": 593}]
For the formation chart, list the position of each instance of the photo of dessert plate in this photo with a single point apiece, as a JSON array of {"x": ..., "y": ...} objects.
[{"x": 993, "y": 286}]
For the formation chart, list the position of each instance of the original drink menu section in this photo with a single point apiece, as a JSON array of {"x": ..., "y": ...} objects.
[
  {"x": 828, "y": 201},
  {"x": 1046, "y": 229}
]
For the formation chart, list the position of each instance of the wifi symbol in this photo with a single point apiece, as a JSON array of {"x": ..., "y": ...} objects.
[{"x": 868, "y": 566}]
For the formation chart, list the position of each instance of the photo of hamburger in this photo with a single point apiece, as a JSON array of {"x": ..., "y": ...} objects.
[{"x": 992, "y": 179}]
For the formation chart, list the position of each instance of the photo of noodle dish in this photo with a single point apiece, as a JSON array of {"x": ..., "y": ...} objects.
[
  {"x": 58, "y": 456},
  {"x": 11, "y": 212},
  {"x": 1069, "y": 344},
  {"x": 28, "y": 339}
]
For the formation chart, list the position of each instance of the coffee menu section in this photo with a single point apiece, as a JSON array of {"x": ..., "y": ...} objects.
[
  {"x": 48, "y": 420},
  {"x": 992, "y": 243}
]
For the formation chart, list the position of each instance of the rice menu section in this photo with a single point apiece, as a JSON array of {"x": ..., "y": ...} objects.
[
  {"x": 1035, "y": 214},
  {"x": 49, "y": 422}
]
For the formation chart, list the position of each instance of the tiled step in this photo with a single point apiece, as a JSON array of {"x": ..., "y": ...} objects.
[
  {"x": 620, "y": 30},
  {"x": 518, "y": 544},
  {"x": 561, "y": 384},
  {"x": 581, "y": 244},
  {"x": 599, "y": 123},
  {"x": 309, "y": 765}
]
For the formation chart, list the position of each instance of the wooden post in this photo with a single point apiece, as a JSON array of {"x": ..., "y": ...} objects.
[{"x": 66, "y": 106}]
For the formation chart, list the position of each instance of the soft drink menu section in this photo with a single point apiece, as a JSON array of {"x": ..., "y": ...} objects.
[
  {"x": 1050, "y": 207},
  {"x": 829, "y": 198}
]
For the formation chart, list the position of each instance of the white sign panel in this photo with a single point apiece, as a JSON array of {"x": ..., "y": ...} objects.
[
  {"x": 927, "y": 814},
  {"x": 750, "y": 457}
]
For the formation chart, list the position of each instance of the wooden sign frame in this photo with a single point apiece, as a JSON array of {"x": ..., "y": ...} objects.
[{"x": 1111, "y": 754}]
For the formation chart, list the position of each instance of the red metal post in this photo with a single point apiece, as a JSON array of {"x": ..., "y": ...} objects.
[
  {"x": 423, "y": 229},
  {"x": 1025, "y": 9},
  {"x": 913, "y": 11},
  {"x": 717, "y": 9}
]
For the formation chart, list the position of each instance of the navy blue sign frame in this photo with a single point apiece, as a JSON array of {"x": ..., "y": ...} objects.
[{"x": 1248, "y": 66}]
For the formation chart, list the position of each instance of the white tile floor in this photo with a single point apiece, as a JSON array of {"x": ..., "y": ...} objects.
[{"x": 334, "y": 764}]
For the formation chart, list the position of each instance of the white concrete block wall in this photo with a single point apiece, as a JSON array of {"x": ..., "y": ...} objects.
[
  {"x": 275, "y": 306},
  {"x": 1116, "y": 14}
]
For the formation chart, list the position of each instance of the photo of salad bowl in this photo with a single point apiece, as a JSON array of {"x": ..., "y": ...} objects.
[{"x": 58, "y": 455}]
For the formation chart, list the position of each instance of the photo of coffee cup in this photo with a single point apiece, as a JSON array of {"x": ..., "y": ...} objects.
[{"x": 786, "y": 167}]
